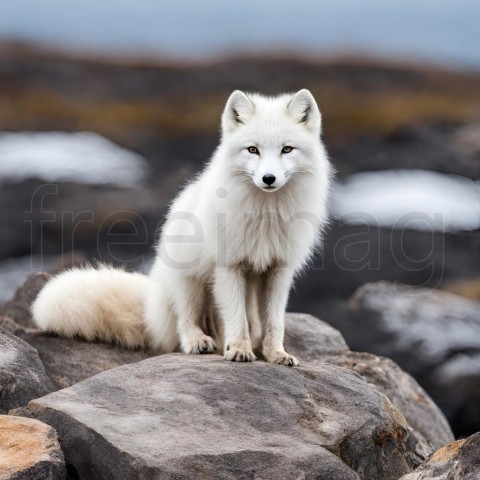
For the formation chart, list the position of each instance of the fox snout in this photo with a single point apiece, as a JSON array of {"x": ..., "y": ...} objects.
[{"x": 269, "y": 181}]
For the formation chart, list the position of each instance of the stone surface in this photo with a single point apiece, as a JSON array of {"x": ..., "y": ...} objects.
[
  {"x": 308, "y": 338},
  {"x": 429, "y": 424},
  {"x": 22, "y": 375},
  {"x": 18, "y": 308},
  {"x": 434, "y": 335},
  {"x": 186, "y": 416},
  {"x": 29, "y": 450},
  {"x": 68, "y": 361},
  {"x": 459, "y": 460},
  {"x": 312, "y": 340}
]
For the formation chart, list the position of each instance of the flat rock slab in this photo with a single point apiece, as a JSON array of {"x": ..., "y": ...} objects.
[
  {"x": 29, "y": 450},
  {"x": 184, "y": 416},
  {"x": 22, "y": 375},
  {"x": 456, "y": 461}
]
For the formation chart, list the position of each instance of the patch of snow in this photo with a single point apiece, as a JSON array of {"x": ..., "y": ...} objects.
[
  {"x": 459, "y": 366},
  {"x": 431, "y": 322},
  {"x": 83, "y": 157},
  {"x": 415, "y": 199}
]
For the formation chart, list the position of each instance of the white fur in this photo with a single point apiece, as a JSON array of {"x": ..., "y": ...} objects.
[
  {"x": 96, "y": 304},
  {"x": 230, "y": 247}
]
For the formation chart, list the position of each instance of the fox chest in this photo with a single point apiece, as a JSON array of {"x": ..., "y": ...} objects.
[{"x": 262, "y": 241}]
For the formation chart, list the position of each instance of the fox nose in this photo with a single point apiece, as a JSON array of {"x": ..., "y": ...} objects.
[{"x": 268, "y": 179}]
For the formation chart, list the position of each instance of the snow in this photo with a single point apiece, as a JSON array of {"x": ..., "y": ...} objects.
[
  {"x": 415, "y": 199},
  {"x": 458, "y": 367},
  {"x": 83, "y": 157}
]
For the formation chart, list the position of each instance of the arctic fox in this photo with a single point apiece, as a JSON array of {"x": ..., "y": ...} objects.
[{"x": 232, "y": 243}]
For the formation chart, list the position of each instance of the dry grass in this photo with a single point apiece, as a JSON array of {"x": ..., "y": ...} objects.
[{"x": 348, "y": 110}]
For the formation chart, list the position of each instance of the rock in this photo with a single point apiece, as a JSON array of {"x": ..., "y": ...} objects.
[
  {"x": 29, "y": 450},
  {"x": 426, "y": 419},
  {"x": 309, "y": 338},
  {"x": 186, "y": 416},
  {"x": 68, "y": 361},
  {"x": 418, "y": 327},
  {"x": 312, "y": 340},
  {"x": 22, "y": 376},
  {"x": 455, "y": 461},
  {"x": 18, "y": 308},
  {"x": 432, "y": 334},
  {"x": 10, "y": 325}
]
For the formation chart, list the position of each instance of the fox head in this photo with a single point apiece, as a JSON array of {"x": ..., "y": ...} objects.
[{"x": 271, "y": 140}]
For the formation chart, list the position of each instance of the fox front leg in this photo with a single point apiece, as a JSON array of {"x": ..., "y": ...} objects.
[
  {"x": 278, "y": 282},
  {"x": 230, "y": 296}
]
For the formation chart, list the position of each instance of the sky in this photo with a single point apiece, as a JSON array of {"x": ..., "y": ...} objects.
[{"x": 437, "y": 31}]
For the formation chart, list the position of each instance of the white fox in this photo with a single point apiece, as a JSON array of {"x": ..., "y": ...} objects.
[{"x": 232, "y": 243}]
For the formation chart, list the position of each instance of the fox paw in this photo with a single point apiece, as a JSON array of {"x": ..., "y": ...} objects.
[
  {"x": 199, "y": 346},
  {"x": 282, "y": 358},
  {"x": 239, "y": 353}
]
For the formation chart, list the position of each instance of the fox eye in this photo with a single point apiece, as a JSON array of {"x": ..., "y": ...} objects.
[
  {"x": 253, "y": 150},
  {"x": 287, "y": 149}
]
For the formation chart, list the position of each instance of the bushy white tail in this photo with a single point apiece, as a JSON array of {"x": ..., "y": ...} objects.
[{"x": 95, "y": 303}]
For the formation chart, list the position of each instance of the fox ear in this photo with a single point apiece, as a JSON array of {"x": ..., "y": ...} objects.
[
  {"x": 238, "y": 110},
  {"x": 304, "y": 110}
]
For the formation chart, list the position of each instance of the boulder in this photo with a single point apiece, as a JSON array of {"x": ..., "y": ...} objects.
[
  {"x": 29, "y": 450},
  {"x": 431, "y": 428},
  {"x": 185, "y": 416},
  {"x": 18, "y": 308},
  {"x": 309, "y": 338},
  {"x": 434, "y": 335},
  {"x": 312, "y": 340},
  {"x": 68, "y": 361},
  {"x": 458, "y": 460},
  {"x": 22, "y": 375}
]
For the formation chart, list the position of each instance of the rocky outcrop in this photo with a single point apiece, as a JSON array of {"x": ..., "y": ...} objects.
[
  {"x": 432, "y": 334},
  {"x": 29, "y": 450},
  {"x": 351, "y": 415},
  {"x": 199, "y": 416},
  {"x": 22, "y": 375},
  {"x": 455, "y": 461}
]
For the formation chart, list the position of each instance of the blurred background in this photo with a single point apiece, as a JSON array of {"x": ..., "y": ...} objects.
[{"x": 107, "y": 108}]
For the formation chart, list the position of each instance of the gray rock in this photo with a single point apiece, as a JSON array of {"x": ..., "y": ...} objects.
[
  {"x": 434, "y": 335},
  {"x": 18, "y": 308},
  {"x": 308, "y": 338},
  {"x": 312, "y": 340},
  {"x": 29, "y": 450},
  {"x": 10, "y": 325},
  {"x": 455, "y": 461},
  {"x": 182, "y": 416},
  {"x": 68, "y": 361},
  {"x": 22, "y": 375},
  {"x": 431, "y": 428}
]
